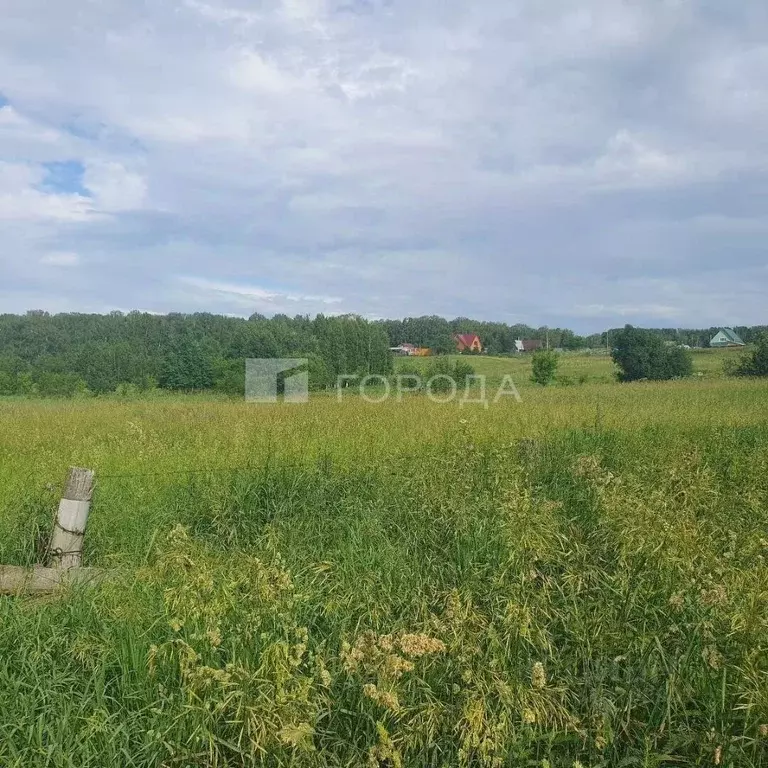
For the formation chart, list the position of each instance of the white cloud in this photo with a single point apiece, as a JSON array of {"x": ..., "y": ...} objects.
[
  {"x": 60, "y": 259},
  {"x": 20, "y": 200},
  {"x": 22, "y": 137},
  {"x": 255, "y": 298},
  {"x": 252, "y": 72},
  {"x": 114, "y": 188}
]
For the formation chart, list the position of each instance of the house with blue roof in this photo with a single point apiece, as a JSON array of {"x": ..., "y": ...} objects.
[{"x": 726, "y": 337}]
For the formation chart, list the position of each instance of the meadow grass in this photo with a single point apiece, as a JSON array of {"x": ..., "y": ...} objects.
[
  {"x": 574, "y": 367},
  {"x": 579, "y": 578}
]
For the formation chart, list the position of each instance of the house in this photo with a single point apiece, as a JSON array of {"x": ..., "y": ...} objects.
[
  {"x": 468, "y": 342},
  {"x": 726, "y": 337},
  {"x": 528, "y": 345}
]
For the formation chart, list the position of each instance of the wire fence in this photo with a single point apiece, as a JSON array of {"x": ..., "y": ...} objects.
[{"x": 180, "y": 472}]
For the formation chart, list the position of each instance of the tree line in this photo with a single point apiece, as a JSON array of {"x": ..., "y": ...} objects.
[
  {"x": 437, "y": 334},
  {"x": 692, "y": 337},
  {"x": 499, "y": 338},
  {"x": 66, "y": 354},
  {"x": 61, "y": 355}
]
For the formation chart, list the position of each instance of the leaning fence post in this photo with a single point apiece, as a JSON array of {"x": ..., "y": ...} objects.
[{"x": 66, "y": 547}]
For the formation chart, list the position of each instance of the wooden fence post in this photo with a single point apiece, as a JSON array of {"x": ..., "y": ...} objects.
[{"x": 66, "y": 547}]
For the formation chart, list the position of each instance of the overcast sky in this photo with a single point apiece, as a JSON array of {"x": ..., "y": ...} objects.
[{"x": 583, "y": 163}]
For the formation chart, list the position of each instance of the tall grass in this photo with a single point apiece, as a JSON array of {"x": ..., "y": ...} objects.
[{"x": 578, "y": 579}]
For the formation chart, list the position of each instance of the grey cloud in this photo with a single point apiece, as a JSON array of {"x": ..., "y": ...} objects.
[{"x": 585, "y": 165}]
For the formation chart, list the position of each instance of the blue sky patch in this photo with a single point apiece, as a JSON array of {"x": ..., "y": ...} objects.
[
  {"x": 3, "y": 101},
  {"x": 65, "y": 178}
]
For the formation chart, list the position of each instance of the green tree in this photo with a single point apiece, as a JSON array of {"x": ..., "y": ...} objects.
[
  {"x": 319, "y": 375},
  {"x": 187, "y": 367},
  {"x": 229, "y": 376},
  {"x": 544, "y": 368},
  {"x": 8, "y": 383},
  {"x": 755, "y": 362},
  {"x": 643, "y": 354},
  {"x": 60, "y": 385}
]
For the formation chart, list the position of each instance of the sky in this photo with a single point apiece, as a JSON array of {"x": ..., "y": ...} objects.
[{"x": 580, "y": 164}]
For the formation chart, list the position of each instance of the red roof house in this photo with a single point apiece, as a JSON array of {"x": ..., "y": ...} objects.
[{"x": 468, "y": 342}]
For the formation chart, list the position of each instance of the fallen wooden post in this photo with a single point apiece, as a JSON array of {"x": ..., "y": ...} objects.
[
  {"x": 65, "y": 551},
  {"x": 15, "y": 580}
]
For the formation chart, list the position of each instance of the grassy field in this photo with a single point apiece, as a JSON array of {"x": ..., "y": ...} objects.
[
  {"x": 575, "y": 367},
  {"x": 578, "y": 579}
]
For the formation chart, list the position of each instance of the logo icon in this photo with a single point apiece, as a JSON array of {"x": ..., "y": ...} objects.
[{"x": 266, "y": 379}]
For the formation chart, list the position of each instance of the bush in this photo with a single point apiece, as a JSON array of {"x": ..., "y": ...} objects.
[
  {"x": 462, "y": 371},
  {"x": 408, "y": 368},
  {"x": 642, "y": 354},
  {"x": 447, "y": 369},
  {"x": 8, "y": 383},
  {"x": 126, "y": 390},
  {"x": 754, "y": 362},
  {"x": 61, "y": 385},
  {"x": 229, "y": 377},
  {"x": 545, "y": 365},
  {"x": 411, "y": 375},
  {"x": 146, "y": 382}
]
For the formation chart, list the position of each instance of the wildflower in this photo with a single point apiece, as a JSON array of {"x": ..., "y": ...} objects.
[
  {"x": 396, "y": 666},
  {"x": 353, "y": 657},
  {"x": 386, "y": 643},
  {"x": 420, "y": 645},
  {"x": 529, "y": 716},
  {"x": 677, "y": 601},
  {"x": 587, "y": 466},
  {"x": 384, "y": 753},
  {"x": 453, "y": 606},
  {"x": 298, "y": 650},
  {"x": 152, "y": 659},
  {"x": 538, "y": 676},
  {"x": 718, "y": 755},
  {"x": 370, "y": 690},
  {"x": 386, "y": 699},
  {"x": 713, "y": 657},
  {"x": 715, "y": 596},
  {"x": 389, "y": 701},
  {"x": 600, "y": 743},
  {"x": 297, "y": 735},
  {"x": 763, "y": 729}
]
